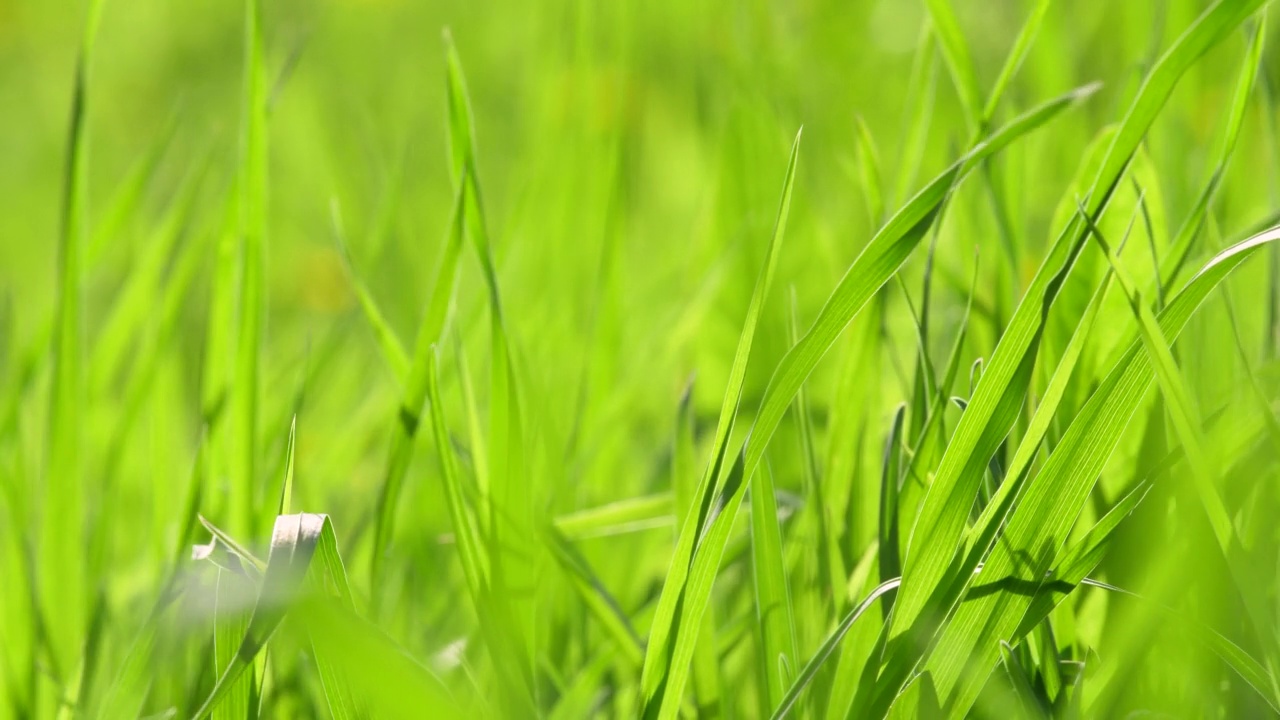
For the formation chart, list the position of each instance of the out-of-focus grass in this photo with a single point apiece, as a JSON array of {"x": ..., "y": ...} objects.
[{"x": 501, "y": 355}]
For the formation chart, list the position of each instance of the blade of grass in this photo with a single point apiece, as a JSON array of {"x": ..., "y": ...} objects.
[
  {"x": 639, "y": 513},
  {"x": 408, "y": 414},
  {"x": 890, "y": 472},
  {"x": 706, "y": 667},
  {"x": 955, "y": 51},
  {"x": 1013, "y": 61},
  {"x": 293, "y": 544},
  {"x": 772, "y": 594},
  {"x": 392, "y": 350},
  {"x": 667, "y": 624},
  {"x": 511, "y": 492}
]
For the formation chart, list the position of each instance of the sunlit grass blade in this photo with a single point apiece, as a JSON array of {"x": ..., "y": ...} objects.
[
  {"x": 119, "y": 333},
  {"x": 1177, "y": 397},
  {"x": 127, "y": 198},
  {"x": 475, "y": 565},
  {"x": 1180, "y": 248},
  {"x": 664, "y": 638},
  {"x": 622, "y": 516},
  {"x": 921, "y": 83},
  {"x": 684, "y": 481},
  {"x": 824, "y": 653},
  {"x": 293, "y": 543},
  {"x": 955, "y": 51},
  {"x": 511, "y": 491},
  {"x": 869, "y": 176},
  {"x": 822, "y": 572},
  {"x": 1013, "y": 61},
  {"x": 386, "y": 679},
  {"x": 772, "y": 593}
]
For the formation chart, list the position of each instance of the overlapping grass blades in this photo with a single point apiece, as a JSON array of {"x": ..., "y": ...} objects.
[
  {"x": 991, "y": 411},
  {"x": 688, "y": 587}
]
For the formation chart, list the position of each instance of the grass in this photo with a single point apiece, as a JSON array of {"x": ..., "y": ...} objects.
[{"x": 525, "y": 372}]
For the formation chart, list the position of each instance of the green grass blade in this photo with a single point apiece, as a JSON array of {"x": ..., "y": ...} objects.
[
  {"x": 392, "y": 349},
  {"x": 622, "y": 516},
  {"x": 511, "y": 492},
  {"x": 468, "y": 542},
  {"x": 955, "y": 51},
  {"x": 889, "y": 486},
  {"x": 118, "y": 337},
  {"x": 869, "y": 173},
  {"x": 772, "y": 592},
  {"x": 921, "y": 84},
  {"x": 828, "y": 648},
  {"x": 1180, "y": 249},
  {"x": 408, "y": 414},
  {"x": 328, "y": 575},
  {"x": 665, "y": 634},
  {"x": 1017, "y": 54},
  {"x": 1177, "y": 398},
  {"x": 286, "y": 482},
  {"x": 684, "y": 476},
  {"x": 384, "y": 678}
]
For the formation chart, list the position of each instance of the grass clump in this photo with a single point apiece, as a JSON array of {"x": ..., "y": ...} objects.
[{"x": 966, "y": 405}]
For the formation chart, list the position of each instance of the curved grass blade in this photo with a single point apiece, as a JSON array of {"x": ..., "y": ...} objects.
[
  {"x": 829, "y": 646},
  {"x": 293, "y": 543}
]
